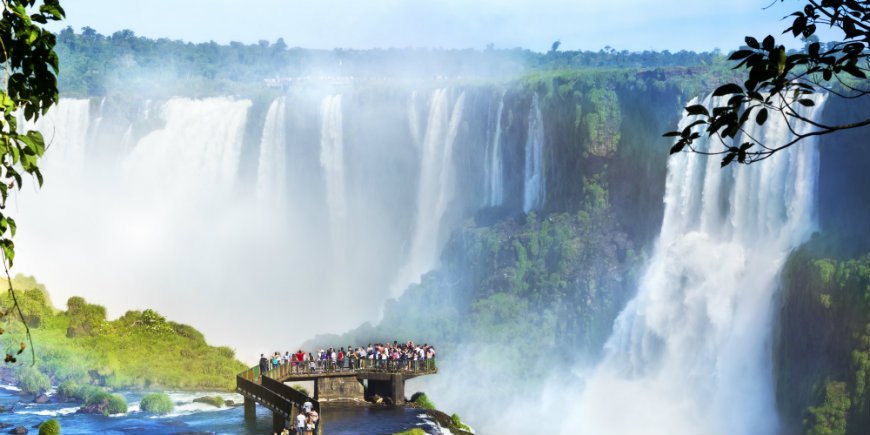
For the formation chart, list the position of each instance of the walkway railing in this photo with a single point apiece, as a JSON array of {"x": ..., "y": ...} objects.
[
  {"x": 308, "y": 368},
  {"x": 265, "y": 396}
]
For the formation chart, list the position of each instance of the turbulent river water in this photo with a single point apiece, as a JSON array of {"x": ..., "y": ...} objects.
[{"x": 190, "y": 417}]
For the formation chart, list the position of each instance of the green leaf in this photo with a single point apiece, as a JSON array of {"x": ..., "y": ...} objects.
[
  {"x": 726, "y": 89},
  {"x": 697, "y": 109},
  {"x": 752, "y": 42},
  {"x": 740, "y": 54},
  {"x": 807, "y": 102},
  {"x": 761, "y": 117}
]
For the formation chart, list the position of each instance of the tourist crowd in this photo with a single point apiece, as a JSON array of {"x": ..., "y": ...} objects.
[{"x": 385, "y": 356}]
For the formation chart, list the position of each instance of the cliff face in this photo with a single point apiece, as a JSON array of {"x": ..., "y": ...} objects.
[{"x": 822, "y": 340}]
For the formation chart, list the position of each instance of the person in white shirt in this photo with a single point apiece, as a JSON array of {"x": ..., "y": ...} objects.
[{"x": 301, "y": 419}]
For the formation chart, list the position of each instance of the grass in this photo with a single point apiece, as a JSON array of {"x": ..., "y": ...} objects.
[
  {"x": 157, "y": 403},
  {"x": 421, "y": 400},
  {"x": 139, "y": 350}
]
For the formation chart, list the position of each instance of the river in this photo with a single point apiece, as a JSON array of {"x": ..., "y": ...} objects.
[{"x": 189, "y": 417}]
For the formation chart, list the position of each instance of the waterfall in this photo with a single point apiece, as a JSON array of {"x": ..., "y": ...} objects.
[
  {"x": 493, "y": 171},
  {"x": 533, "y": 174},
  {"x": 691, "y": 353},
  {"x": 332, "y": 162},
  {"x": 271, "y": 170},
  {"x": 65, "y": 131},
  {"x": 436, "y": 188},
  {"x": 197, "y": 149}
]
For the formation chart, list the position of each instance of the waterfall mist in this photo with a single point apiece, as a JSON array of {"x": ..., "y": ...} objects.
[{"x": 262, "y": 227}]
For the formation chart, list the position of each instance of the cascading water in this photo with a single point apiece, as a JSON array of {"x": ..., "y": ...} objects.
[
  {"x": 65, "y": 131},
  {"x": 493, "y": 171},
  {"x": 533, "y": 174},
  {"x": 435, "y": 190},
  {"x": 332, "y": 162},
  {"x": 272, "y": 167},
  {"x": 690, "y": 354}
]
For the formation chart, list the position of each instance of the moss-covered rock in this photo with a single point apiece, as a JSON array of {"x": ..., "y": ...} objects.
[
  {"x": 216, "y": 401},
  {"x": 49, "y": 427}
]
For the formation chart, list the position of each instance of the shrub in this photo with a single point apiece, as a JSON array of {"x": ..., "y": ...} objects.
[
  {"x": 422, "y": 401},
  {"x": 157, "y": 403},
  {"x": 414, "y": 431},
  {"x": 68, "y": 389},
  {"x": 49, "y": 427},
  {"x": 32, "y": 381},
  {"x": 301, "y": 389},
  {"x": 117, "y": 404},
  {"x": 458, "y": 422}
]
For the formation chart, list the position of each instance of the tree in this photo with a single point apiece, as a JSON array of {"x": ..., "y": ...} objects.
[
  {"x": 555, "y": 46},
  {"x": 30, "y": 67},
  {"x": 781, "y": 82}
]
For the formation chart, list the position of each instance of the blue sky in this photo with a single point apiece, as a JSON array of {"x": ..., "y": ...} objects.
[{"x": 534, "y": 24}]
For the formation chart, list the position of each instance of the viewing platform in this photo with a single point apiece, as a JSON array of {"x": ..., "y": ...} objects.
[{"x": 361, "y": 382}]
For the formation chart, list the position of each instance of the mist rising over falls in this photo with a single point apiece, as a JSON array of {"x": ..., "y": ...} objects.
[{"x": 316, "y": 204}]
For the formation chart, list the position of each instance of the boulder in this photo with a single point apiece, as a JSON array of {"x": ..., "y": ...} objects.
[
  {"x": 19, "y": 430},
  {"x": 96, "y": 408},
  {"x": 42, "y": 398},
  {"x": 215, "y": 401}
]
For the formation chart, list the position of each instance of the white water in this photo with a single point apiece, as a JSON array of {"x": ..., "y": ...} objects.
[
  {"x": 691, "y": 353},
  {"x": 533, "y": 179},
  {"x": 272, "y": 167},
  {"x": 332, "y": 162},
  {"x": 63, "y": 135},
  {"x": 436, "y": 188},
  {"x": 493, "y": 171}
]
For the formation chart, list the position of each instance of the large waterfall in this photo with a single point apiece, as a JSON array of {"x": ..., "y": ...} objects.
[
  {"x": 436, "y": 187},
  {"x": 332, "y": 162},
  {"x": 271, "y": 172},
  {"x": 691, "y": 353},
  {"x": 493, "y": 171},
  {"x": 333, "y": 192},
  {"x": 533, "y": 183}
]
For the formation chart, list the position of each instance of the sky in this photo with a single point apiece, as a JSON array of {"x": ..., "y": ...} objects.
[{"x": 635, "y": 25}]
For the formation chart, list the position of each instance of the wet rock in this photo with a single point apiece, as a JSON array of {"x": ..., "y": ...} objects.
[
  {"x": 377, "y": 399},
  {"x": 19, "y": 430},
  {"x": 42, "y": 398},
  {"x": 96, "y": 408},
  {"x": 215, "y": 401},
  {"x": 229, "y": 403}
]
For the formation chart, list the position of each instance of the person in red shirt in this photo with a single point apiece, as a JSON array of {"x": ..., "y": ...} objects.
[{"x": 300, "y": 357}]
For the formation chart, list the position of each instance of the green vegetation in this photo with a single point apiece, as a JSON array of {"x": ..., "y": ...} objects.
[
  {"x": 301, "y": 389},
  {"x": 824, "y": 341},
  {"x": 458, "y": 422},
  {"x": 125, "y": 64},
  {"x": 31, "y": 380},
  {"x": 830, "y": 417},
  {"x": 49, "y": 427},
  {"x": 421, "y": 400},
  {"x": 216, "y": 401},
  {"x": 157, "y": 403},
  {"x": 414, "y": 431},
  {"x": 141, "y": 349}
]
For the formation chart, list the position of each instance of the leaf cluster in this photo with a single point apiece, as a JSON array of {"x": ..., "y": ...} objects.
[{"x": 780, "y": 82}]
